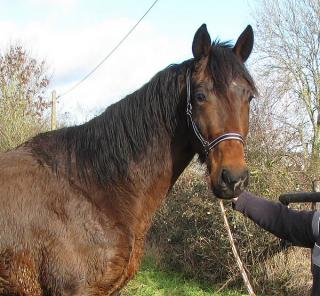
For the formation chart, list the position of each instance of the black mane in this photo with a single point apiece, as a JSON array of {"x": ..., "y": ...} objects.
[
  {"x": 106, "y": 144},
  {"x": 104, "y": 147}
]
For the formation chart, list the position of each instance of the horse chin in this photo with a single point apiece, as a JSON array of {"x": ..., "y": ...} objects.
[{"x": 224, "y": 192}]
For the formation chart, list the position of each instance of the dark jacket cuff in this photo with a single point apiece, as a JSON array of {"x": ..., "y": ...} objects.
[{"x": 240, "y": 204}]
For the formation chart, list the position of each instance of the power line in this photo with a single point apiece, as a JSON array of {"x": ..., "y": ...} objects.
[{"x": 109, "y": 54}]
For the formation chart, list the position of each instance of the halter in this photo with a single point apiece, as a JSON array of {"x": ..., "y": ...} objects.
[{"x": 207, "y": 146}]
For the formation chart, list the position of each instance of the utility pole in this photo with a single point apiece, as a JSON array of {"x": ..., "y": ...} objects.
[{"x": 54, "y": 110}]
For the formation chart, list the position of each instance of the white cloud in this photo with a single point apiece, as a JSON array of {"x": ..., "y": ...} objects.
[
  {"x": 64, "y": 5},
  {"x": 73, "y": 52}
]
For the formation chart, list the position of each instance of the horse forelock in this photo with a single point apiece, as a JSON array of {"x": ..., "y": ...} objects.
[{"x": 225, "y": 67}]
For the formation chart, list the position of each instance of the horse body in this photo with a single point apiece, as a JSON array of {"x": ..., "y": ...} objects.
[
  {"x": 76, "y": 203},
  {"x": 74, "y": 239}
]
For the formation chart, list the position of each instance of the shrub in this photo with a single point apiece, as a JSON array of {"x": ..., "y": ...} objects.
[{"x": 23, "y": 85}]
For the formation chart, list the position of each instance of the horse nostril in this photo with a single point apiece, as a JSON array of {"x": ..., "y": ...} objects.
[
  {"x": 245, "y": 175},
  {"x": 226, "y": 177}
]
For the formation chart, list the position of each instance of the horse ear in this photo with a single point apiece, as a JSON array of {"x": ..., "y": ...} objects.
[
  {"x": 201, "y": 42},
  {"x": 244, "y": 44}
]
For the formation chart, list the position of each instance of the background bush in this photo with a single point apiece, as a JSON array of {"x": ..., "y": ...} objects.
[
  {"x": 23, "y": 86},
  {"x": 191, "y": 238}
]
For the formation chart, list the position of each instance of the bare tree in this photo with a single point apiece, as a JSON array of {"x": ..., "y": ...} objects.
[
  {"x": 23, "y": 85},
  {"x": 288, "y": 51}
]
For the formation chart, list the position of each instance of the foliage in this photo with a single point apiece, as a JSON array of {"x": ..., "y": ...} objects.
[{"x": 23, "y": 85}]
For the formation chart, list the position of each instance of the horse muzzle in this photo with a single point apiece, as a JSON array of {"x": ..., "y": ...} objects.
[{"x": 230, "y": 183}]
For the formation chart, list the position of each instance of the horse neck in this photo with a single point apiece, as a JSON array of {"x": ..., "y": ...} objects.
[
  {"x": 163, "y": 163},
  {"x": 168, "y": 153},
  {"x": 152, "y": 174},
  {"x": 153, "y": 178}
]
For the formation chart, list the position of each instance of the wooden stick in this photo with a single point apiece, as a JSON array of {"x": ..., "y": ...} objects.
[{"x": 235, "y": 252}]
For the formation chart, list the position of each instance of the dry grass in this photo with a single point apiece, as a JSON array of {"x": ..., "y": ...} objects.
[{"x": 287, "y": 273}]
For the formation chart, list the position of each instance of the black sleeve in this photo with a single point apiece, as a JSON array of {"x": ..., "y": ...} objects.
[{"x": 285, "y": 223}]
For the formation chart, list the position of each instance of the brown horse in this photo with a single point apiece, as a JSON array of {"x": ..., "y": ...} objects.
[{"x": 76, "y": 203}]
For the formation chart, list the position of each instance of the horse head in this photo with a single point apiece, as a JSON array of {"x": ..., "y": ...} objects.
[{"x": 219, "y": 90}]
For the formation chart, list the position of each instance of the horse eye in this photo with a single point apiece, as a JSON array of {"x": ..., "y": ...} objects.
[{"x": 200, "y": 97}]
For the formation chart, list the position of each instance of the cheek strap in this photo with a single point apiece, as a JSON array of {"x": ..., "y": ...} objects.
[{"x": 207, "y": 146}]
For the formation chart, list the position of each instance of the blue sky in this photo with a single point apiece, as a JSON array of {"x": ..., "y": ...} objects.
[
  {"x": 227, "y": 16},
  {"x": 74, "y": 35}
]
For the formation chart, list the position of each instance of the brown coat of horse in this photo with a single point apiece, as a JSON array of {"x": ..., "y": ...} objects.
[{"x": 76, "y": 203}]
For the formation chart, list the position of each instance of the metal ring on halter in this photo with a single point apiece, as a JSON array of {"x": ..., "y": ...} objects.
[{"x": 207, "y": 146}]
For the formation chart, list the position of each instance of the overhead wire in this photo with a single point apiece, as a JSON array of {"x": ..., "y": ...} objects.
[{"x": 109, "y": 54}]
